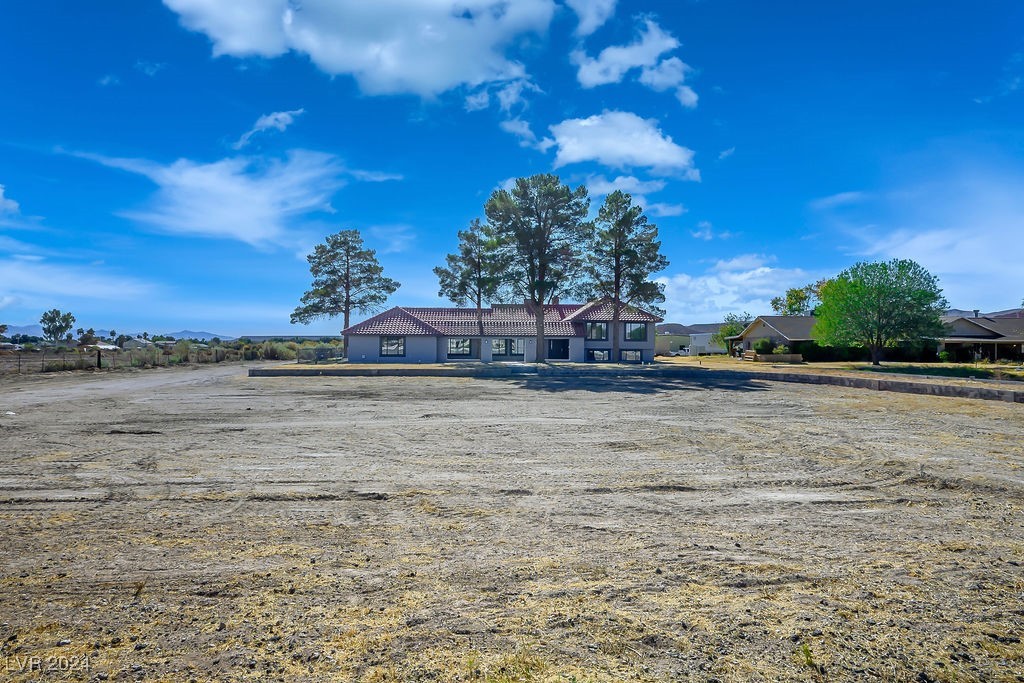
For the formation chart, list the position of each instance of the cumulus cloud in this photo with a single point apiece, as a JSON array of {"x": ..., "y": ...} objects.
[
  {"x": 109, "y": 79},
  {"x": 592, "y": 14},
  {"x": 613, "y": 63},
  {"x": 424, "y": 47},
  {"x": 621, "y": 140},
  {"x": 744, "y": 283},
  {"x": 726, "y": 153},
  {"x": 251, "y": 199},
  {"x": 278, "y": 120},
  {"x": 7, "y": 205}
]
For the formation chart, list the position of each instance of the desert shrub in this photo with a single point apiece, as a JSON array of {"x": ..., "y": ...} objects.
[
  {"x": 269, "y": 350},
  {"x": 763, "y": 346},
  {"x": 781, "y": 349}
]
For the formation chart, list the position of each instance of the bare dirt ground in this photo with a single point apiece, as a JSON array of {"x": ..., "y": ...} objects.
[{"x": 197, "y": 524}]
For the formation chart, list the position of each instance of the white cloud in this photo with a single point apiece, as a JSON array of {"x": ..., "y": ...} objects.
[
  {"x": 250, "y": 199},
  {"x": 663, "y": 210},
  {"x": 109, "y": 79},
  {"x": 512, "y": 94},
  {"x": 612, "y": 63},
  {"x": 592, "y": 14},
  {"x": 149, "y": 68},
  {"x": 621, "y": 139},
  {"x": 478, "y": 100},
  {"x": 965, "y": 230},
  {"x": 744, "y": 283},
  {"x": 393, "y": 238},
  {"x": 8, "y": 205},
  {"x": 668, "y": 73},
  {"x": 527, "y": 138},
  {"x": 686, "y": 96},
  {"x": 726, "y": 153},
  {"x": 839, "y": 199},
  {"x": 278, "y": 120},
  {"x": 424, "y": 47},
  {"x": 599, "y": 185},
  {"x": 32, "y": 281},
  {"x": 705, "y": 231}
]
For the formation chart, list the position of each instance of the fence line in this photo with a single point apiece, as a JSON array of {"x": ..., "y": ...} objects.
[{"x": 57, "y": 360}]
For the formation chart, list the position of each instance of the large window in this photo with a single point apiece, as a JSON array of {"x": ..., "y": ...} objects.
[
  {"x": 630, "y": 356},
  {"x": 507, "y": 347},
  {"x": 636, "y": 331},
  {"x": 392, "y": 346},
  {"x": 459, "y": 347},
  {"x": 597, "y": 331},
  {"x": 599, "y": 355}
]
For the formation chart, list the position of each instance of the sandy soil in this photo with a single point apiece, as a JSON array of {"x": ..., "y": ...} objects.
[{"x": 197, "y": 524}]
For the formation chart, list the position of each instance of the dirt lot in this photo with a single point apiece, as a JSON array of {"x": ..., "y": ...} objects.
[{"x": 196, "y": 524}]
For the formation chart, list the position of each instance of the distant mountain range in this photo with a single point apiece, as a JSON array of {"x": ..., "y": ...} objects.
[{"x": 37, "y": 331}]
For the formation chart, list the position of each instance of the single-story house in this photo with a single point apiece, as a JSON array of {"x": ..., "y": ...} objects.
[
  {"x": 507, "y": 332},
  {"x": 672, "y": 339},
  {"x": 971, "y": 338},
  {"x": 137, "y": 343},
  {"x": 700, "y": 339},
  {"x": 688, "y": 340},
  {"x": 780, "y": 329}
]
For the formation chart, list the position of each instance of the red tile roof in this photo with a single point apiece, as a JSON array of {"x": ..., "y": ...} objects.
[
  {"x": 602, "y": 309},
  {"x": 511, "y": 320}
]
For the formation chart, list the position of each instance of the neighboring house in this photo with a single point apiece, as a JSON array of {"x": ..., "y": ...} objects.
[
  {"x": 970, "y": 338},
  {"x": 137, "y": 343},
  {"x": 687, "y": 340},
  {"x": 572, "y": 332},
  {"x": 700, "y": 339},
  {"x": 672, "y": 339},
  {"x": 780, "y": 329}
]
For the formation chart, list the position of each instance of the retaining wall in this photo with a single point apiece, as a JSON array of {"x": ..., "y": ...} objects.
[{"x": 876, "y": 384}]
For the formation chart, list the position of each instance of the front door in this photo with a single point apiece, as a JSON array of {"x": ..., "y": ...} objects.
[{"x": 558, "y": 349}]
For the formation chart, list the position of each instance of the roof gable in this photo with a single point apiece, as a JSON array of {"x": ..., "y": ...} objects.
[{"x": 394, "y": 321}]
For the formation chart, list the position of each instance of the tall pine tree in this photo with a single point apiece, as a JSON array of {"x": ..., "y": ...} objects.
[
  {"x": 346, "y": 278},
  {"x": 542, "y": 231},
  {"x": 624, "y": 253}
]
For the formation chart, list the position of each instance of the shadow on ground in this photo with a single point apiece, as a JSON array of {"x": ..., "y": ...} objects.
[{"x": 634, "y": 384}]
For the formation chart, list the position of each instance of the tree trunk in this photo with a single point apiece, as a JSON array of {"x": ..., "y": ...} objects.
[
  {"x": 541, "y": 351},
  {"x": 876, "y": 355},
  {"x": 616, "y": 355},
  {"x": 344, "y": 337}
]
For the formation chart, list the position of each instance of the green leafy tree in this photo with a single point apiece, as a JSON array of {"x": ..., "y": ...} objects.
[
  {"x": 346, "y": 278},
  {"x": 799, "y": 300},
  {"x": 542, "y": 232},
  {"x": 473, "y": 275},
  {"x": 624, "y": 253},
  {"x": 879, "y": 304},
  {"x": 3, "y": 330},
  {"x": 86, "y": 337},
  {"x": 56, "y": 325},
  {"x": 733, "y": 325}
]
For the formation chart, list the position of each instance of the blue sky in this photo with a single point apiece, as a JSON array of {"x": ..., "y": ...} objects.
[{"x": 168, "y": 165}]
